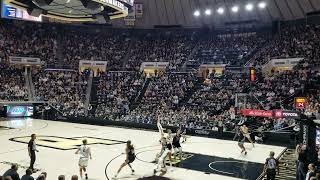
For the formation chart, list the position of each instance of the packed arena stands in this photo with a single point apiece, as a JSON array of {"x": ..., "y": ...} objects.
[
  {"x": 13, "y": 87},
  {"x": 314, "y": 104},
  {"x": 213, "y": 98},
  {"x": 163, "y": 46},
  {"x": 64, "y": 90},
  {"x": 167, "y": 92},
  {"x": 19, "y": 38},
  {"x": 109, "y": 45},
  {"x": 231, "y": 48},
  {"x": 176, "y": 96},
  {"x": 292, "y": 41},
  {"x": 116, "y": 91}
]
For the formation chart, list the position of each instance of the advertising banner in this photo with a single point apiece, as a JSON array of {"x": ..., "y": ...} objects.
[
  {"x": 270, "y": 113},
  {"x": 286, "y": 114},
  {"x": 255, "y": 112},
  {"x": 19, "y": 111}
]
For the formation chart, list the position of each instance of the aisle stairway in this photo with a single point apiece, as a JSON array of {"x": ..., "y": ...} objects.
[
  {"x": 88, "y": 92},
  {"x": 189, "y": 93},
  {"x": 125, "y": 59},
  {"x": 287, "y": 166},
  {"x": 140, "y": 94},
  {"x": 27, "y": 84},
  {"x": 93, "y": 93}
]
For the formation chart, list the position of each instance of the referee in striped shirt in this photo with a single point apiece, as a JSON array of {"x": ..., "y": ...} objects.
[{"x": 270, "y": 166}]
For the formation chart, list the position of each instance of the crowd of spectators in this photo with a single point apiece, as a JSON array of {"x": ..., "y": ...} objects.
[
  {"x": 217, "y": 93},
  {"x": 229, "y": 49},
  {"x": 109, "y": 45},
  {"x": 171, "y": 95},
  {"x": 12, "y": 174},
  {"x": 64, "y": 90},
  {"x": 18, "y": 38},
  {"x": 164, "y": 46},
  {"x": 313, "y": 107},
  {"x": 292, "y": 41},
  {"x": 183, "y": 117},
  {"x": 166, "y": 90},
  {"x": 115, "y": 92},
  {"x": 276, "y": 91},
  {"x": 12, "y": 83},
  {"x": 163, "y": 98}
]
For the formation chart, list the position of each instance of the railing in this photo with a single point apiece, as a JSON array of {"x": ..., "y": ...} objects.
[
  {"x": 194, "y": 50},
  {"x": 263, "y": 174},
  {"x": 88, "y": 93},
  {"x": 258, "y": 53},
  {"x": 27, "y": 84},
  {"x": 146, "y": 79},
  {"x": 126, "y": 57},
  {"x": 32, "y": 88},
  {"x": 55, "y": 109}
]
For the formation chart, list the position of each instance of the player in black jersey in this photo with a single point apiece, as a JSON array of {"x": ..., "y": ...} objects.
[
  {"x": 130, "y": 157},
  {"x": 183, "y": 134},
  {"x": 176, "y": 144}
]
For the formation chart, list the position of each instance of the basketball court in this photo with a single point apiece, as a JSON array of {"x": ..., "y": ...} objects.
[{"x": 204, "y": 158}]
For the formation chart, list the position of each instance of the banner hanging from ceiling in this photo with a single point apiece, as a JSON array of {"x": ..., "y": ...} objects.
[
  {"x": 139, "y": 10},
  {"x": 131, "y": 18}
]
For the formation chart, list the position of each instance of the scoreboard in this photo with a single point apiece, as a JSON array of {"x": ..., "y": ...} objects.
[{"x": 8, "y": 11}]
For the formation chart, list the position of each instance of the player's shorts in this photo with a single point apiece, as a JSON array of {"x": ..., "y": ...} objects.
[
  {"x": 83, "y": 162},
  {"x": 162, "y": 158},
  {"x": 177, "y": 149},
  {"x": 176, "y": 145},
  {"x": 247, "y": 136},
  {"x": 241, "y": 142},
  {"x": 131, "y": 158}
]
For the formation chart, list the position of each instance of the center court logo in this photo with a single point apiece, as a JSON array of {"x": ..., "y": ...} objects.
[{"x": 63, "y": 143}]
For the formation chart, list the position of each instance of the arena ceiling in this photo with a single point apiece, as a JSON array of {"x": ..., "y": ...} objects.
[{"x": 181, "y": 12}]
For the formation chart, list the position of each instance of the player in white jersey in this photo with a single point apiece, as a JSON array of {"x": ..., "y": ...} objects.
[
  {"x": 85, "y": 154},
  {"x": 165, "y": 152},
  {"x": 168, "y": 137}
]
